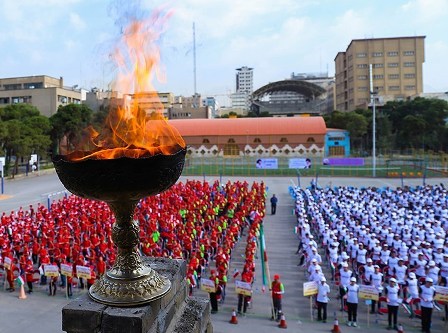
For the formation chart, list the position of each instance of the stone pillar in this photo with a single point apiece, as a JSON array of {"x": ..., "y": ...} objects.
[{"x": 174, "y": 312}]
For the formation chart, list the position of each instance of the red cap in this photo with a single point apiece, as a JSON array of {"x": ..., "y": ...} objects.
[{"x": 276, "y": 277}]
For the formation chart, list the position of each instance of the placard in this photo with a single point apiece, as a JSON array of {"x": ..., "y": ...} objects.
[
  {"x": 208, "y": 285},
  {"x": 243, "y": 288},
  {"x": 7, "y": 263},
  {"x": 441, "y": 294},
  {"x": 368, "y": 292},
  {"x": 310, "y": 288},
  {"x": 66, "y": 270},
  {"x": 83, "y": 272},
  {"x": 299, "y": 163},
  {"x": 51, "y": 270},
  {"x": 266, "y": 163}
]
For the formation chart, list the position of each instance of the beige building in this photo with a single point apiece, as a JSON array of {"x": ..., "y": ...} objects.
[
  {"x": 396, "y": 70},
  {"x": 44, "y": 92}
]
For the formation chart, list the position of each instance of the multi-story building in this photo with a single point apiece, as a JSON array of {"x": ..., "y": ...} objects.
[
  {"x": 244, "y": 87},
  {"x": 213, "y": 104},
  {"x": 44, "y": 92},
  {"x": 397, "y": 70}
]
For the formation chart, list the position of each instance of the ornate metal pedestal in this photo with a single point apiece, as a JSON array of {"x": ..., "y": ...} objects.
[{"x": 121, "y": 183}]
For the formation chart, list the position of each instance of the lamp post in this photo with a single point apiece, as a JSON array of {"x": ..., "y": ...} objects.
[{"x": 373, "y": 101}]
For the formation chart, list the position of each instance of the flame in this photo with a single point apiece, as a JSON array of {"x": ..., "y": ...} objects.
[{"x": 137, "y": 128}]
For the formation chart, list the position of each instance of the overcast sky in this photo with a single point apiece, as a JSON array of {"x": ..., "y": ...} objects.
[{"x": 73, "y": 38}]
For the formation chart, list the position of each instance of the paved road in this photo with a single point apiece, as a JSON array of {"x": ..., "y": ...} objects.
[{"x": 41, "y": 313}]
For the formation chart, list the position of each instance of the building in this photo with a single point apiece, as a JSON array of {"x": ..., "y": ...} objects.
[
  {"x": 260, "y": 137},
  {"x": 337, "y": 143},
  {"x": 44, "y": 92},
  {"x": 244, "y": 88},
  {"x": 397, "y": 70},
  {"x": 213, "y": 104},
  {"x": 97, "y": 99}
]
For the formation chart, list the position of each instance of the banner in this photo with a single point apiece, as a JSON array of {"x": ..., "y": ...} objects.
[
  {"x": 344, "y": 161},
  {"x": 7, "y": 263},
  {"x": 266, "y": 163},
  {"x": 299, "y": 163},
  {"x": 441, "y": 294},
  {"x": 208, "y": 285},
  {"x": 66, "y": 270},
  {"x": 263, "y": 257},
  {"x": 51, "y": 270},
  {"x": 243, "y": 288},
  {"x": 310, "y": 288},
  {"x": 83, "y": 272},
  {"x": 368, "y": 292}
]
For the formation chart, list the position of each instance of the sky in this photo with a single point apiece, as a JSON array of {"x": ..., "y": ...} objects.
[{"x": 74, "y": 38}]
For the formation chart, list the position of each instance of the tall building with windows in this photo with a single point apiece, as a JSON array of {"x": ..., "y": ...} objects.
[
  {"x": 397, "y": 70},
  {"x": 244, "y": 87}
]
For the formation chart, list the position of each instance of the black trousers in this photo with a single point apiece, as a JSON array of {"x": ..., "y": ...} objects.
[
  {"x": 352, "y": 311},
  {"x": 243, "y": 302},
  {"x": 277, "y": 307},
  {"x": 426, "y": 319},
  {"x": 273, "y": 209},
  {"x": 392, "y": 312},
  {"x": 321, "y": 307},
  {"x": 213, "y": 302}
]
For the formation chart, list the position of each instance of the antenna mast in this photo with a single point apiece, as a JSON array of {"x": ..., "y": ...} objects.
[{"x": 194, "y": 58}]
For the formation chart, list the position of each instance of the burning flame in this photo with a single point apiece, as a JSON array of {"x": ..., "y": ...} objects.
[{"x": 137, "y": 128}]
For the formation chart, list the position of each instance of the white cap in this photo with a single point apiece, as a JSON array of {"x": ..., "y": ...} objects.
[
  {"x": 432, "y": 263},
  {"x": 353, "y": 279},
  {"x": 393, "y": 280},
  {"x": 323, "y": 279},
  {"x": 428, "y": 280},
  {"x": 369, "y": 260},
  {"x": 412, "y": 275},
  {"x": 314, "y": 260},
  {"x": 344, "y": 264}
]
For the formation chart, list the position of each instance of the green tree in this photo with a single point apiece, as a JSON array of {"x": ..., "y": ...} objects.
[
  {"x": 68, "y": 125},
  {"x": 23, "y": 131}
]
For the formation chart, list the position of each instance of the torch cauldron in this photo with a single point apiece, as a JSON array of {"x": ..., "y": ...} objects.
[{"x": 121, "y": 183}]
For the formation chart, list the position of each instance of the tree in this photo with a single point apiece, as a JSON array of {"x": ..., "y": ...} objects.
[
  {"x": 68, "y": 124},
  {"x": 23, "y": 131}
]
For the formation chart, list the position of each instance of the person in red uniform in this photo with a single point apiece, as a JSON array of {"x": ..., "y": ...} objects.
[
  {"x": 101, "y": 266},
  {"x": 29, "y": 271},
  {"x": 278, "y": 290}
]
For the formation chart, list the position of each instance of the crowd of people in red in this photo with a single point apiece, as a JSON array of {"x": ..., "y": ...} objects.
[{"x": 196, "y": 221}]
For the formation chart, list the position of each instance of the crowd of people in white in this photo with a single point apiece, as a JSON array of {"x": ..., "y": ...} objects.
[{"x": 395, "y": 240}]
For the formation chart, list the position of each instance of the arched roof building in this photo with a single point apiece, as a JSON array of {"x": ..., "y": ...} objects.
[{"x": 278, "y": 136}]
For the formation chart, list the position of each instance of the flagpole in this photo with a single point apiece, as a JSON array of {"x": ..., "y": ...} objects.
[{"x": 265, "y": 267}]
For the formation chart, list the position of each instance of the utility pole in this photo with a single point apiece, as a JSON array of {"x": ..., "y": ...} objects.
[
  {"x": 373, "y": 101},
  {"x": 194, "y": 59}
]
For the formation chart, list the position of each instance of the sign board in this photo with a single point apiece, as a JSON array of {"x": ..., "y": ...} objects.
[
  {"x": 7, "y": 263},
  {"x": 2, "y": 164},
  {"x": 310, "y": 288},
  {"x": 51, "y": 270},
  {"x": 33, "y": 158},
  {"x": 208, "y": 285},
  {"x": 266, "y": 163},
  {"x": 299, "y": 163},
  {"x": 83, "y": 272},
  {"x": 368, "y": 292},
  {"x": 243, "y": 288},
  {"x": 441, "y": 294},
  {"x": 66, "y": 270}
]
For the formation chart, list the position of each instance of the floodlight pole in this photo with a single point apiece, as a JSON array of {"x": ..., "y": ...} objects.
[{"x": 372, "y": 99}]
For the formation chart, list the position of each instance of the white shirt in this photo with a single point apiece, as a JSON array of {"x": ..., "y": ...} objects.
[
  {"x": 323, "y": 290},
  {"x": 392, "y": 295},
  {"x": 427, "y": 296},
  {"x": 345, "y": 277},
  {"x": 400, "y": 273},
  {"x": 352, "y": 293},
  {"x": 412, "y": 287}
]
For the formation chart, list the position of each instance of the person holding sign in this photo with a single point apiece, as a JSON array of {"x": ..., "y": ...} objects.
[
  {"x": 244, "y": 298},
  {"x": 214, "y": 295},
  {"x": 323, "y": 290},
  {"x": 392, "y": 291},
  {"x": 278, "y": 290},
  {"x": 352, "y": 302},
  {"x": 427, "y": 293}
]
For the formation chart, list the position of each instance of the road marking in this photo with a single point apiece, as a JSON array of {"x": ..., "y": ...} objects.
[{"x": 4, "y": 196}]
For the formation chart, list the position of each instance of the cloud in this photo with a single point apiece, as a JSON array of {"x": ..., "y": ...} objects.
[
  {"x": 77, "y": 22},
  {"x": 426, "y": 11}
]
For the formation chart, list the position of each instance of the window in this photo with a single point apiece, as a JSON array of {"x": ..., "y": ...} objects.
[
  {"x": 394, "y": 87},
  {"x": 408, "y": 53},
  {"x": 205, "y": 141},
  {"x": 362, "y": 88},
  {"x": 394, "y": 76},
  {"x": 12, "y": 86},
  {"x": 362, "y": 100},
  {"x": 410, "y": 87},
  {"x": 362, "y": 66},
  {"x": 362, "y": 77},
  {"x": 284, "y": 140},
  {"x": 393, "y": 64},
  {"x": 409, "y": 76},
  {"x": 35, "y": 85},
  {"x": 377, "y": 54},
  {"x": 361, "y": 55},
  {"x": 231, "y": 140},
  {"x": 409, "y": 64},
  {"x": 392, "y": 54},
  {"x": 378, "y": 65},
  {"x": 378, "y": 76},
  {"x": 310, "y": 139},
  {"x": 257, "y": 140}
]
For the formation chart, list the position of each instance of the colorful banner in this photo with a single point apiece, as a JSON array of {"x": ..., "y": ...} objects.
[
  {"x": 243, "y": 288},
  {"x": 7, "y": 263},
  {"x": 299, "y": 163},
  {"x": 208, "y": 285},
  {"x": 51, "y": 270},
  {"x": 66, "y": 270},
  {"x": 83, "y": 272},
  {"x": 266, "y": 163},
  {"x": 368, "y": 292},
  {"x": 344, "y": 161},
  {"x": 310, "y": 288},
  {"x": 441, "y": 294}
]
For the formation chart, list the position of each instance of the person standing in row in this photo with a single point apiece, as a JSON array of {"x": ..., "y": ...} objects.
[
  {"x": 426, "y": 295},
  {"x": 352, "y": 302},
  {"x": 274, "y": 201},
  {"x": 392, "y": 292},
  {"x": 323, "y": 291},
  {"x": 278, "y": 290}
]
